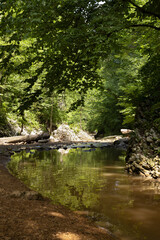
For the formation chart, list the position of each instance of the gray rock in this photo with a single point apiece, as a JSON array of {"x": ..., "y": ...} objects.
[
  {"x": 121, "y": 143},
  {"x": 153, "y": 133},
  {"x": 29, "y": 195},
  {"x": 146, "y": 166},
  {"x": 17, "y": 194},
  {"x": 43, "y": 140},
  {"x": 32, "y": 195},
  {"x": 155, "y": 174},
  {"x": 149, "y": 139}
]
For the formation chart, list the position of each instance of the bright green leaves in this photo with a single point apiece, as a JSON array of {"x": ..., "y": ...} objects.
[
  {"x": 62, "y": 35},
  {"x": 59, "y": 44},
  {"x": 150, "y": 74}
]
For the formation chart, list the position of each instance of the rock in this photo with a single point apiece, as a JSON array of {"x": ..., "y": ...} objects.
[
  {"x": 153, "y": 133},
  {"x": 17, "y": 194},
  {"x": 29, "y": 195},
  {"x": 158, "y": 142},
  {"x": 146, "y": 133},
  {"x": 154, "y": 174},
  {"x": 150, "y": 162},
  {"x": 149, "y": 139},
  {"x": 82, "y": 146},
  {"x": 138, "y": 167},
  {"x": 121, "y": 143},
  {"x": 43, "y": 140},
  {"x": 157, "y": 159},
  {"x": 143, "y": 155},
  {"x": 133, "y": 169},
  {"x": 126, "y": 132},
  {"x": 83, "y": 136},
  {"x": 64, "y": 133},
  {"x": 146, "y": 166}
]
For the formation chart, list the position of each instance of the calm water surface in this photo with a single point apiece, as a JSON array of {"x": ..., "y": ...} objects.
[{"x": 93, "y": 182}]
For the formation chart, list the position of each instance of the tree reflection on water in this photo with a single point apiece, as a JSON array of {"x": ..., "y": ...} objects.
[{"x": 94, "y": 182}]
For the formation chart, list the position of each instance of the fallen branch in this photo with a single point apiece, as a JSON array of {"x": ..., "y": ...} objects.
[{"x": 27, "y": 138}]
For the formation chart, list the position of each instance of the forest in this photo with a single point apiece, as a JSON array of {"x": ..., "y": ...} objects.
[{"x": 92, "y": 64}]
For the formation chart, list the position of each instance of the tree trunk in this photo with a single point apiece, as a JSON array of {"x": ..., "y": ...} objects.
[
  {"x": 26, "y": 139},
  {"x": 51, "y": 119}
]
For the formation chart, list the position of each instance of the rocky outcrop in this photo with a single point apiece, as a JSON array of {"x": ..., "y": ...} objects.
[{"x": 143, "y": 155}]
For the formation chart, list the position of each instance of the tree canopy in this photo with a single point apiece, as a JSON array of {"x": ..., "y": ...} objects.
[{"x": 53, "y": 45}]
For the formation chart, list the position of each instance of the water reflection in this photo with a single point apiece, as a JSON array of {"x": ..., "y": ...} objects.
[{"x": 94, "y": 183}]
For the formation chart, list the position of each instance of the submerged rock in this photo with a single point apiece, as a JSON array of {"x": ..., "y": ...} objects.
[{"x": 29, "y": 195}]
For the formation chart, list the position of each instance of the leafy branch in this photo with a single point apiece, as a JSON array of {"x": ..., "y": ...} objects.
[{"x": 143, "y": 10}]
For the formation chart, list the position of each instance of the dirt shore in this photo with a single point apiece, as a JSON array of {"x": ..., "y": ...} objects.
[{"x": 27, "y": 218}]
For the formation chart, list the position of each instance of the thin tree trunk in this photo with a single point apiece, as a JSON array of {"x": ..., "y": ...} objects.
[{"x": 51, "y": 118}]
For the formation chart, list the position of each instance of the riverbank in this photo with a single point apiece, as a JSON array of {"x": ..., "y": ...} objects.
[
  {"x": 25, "y": 215},
  {"x": 143, "y": 154}
]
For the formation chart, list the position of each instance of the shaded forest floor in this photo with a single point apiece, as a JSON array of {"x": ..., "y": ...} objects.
[{"x": 38, "y": 219}]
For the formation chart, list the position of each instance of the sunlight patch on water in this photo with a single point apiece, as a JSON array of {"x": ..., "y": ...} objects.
[
  {"x": 108, "y": 174},
  {"x": 113, "y": 167}
]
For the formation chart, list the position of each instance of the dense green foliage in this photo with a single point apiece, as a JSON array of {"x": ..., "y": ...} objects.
[{"x": 52, "y": 48}]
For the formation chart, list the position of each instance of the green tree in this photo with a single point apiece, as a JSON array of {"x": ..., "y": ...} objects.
[{"x": 58, "y": 45}]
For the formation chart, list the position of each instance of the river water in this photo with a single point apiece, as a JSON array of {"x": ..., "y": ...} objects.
[{"x": 93, "y": 182}]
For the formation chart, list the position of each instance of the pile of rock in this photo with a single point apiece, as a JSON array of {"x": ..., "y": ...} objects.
[
  {"x": 143, "y": 156},
  {"x": 64, "y": 133},
  {"x": 84, "y": 136}
]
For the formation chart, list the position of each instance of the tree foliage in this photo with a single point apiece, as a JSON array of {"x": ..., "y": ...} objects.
[{"x": 51, "y": 46}]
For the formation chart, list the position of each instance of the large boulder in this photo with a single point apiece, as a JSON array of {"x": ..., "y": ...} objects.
[{"x": 65, "y": 133}]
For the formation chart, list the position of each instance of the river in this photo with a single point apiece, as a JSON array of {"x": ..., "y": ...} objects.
[{"x": 93, "y": 182}]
